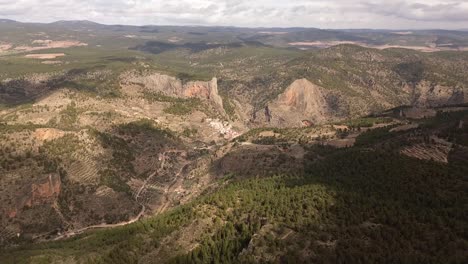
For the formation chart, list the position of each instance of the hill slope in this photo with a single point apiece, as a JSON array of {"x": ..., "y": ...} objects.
[{"x": 365, "y": 204}]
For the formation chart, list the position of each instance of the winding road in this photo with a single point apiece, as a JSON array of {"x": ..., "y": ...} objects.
[{"x": 162, "y": 158}]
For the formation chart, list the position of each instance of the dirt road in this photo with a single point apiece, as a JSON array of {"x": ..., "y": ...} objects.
[{"x": 163, "y": 157}]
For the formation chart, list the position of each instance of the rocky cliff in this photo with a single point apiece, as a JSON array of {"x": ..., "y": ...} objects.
[
  {"x": 171, "y": 86},
  {"x": 46, "y": 190},
  {"x": 204, "y": 90},
  {"x": 302, "y": 100}
]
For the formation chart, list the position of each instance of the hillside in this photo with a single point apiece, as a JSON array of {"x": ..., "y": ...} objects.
[
  {"x": 168, "y": 144},
  {"x": 367, "y": 203}
]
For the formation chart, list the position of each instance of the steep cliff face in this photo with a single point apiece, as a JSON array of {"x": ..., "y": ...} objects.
[
  {"x": 305, "y": 97},
  {"x": 318, "y": 101},
  {"x": 44, "y": 191},
  {"x": 172, "y": 86},
  {"x": 33, "y": 209},
  {"x": 204, "y": 90},
  {"x": 302, "y": 100},
  {"x": 158, "y": 83}
]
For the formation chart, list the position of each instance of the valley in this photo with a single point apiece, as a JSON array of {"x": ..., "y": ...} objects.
[{"x": 167, "y": 144}]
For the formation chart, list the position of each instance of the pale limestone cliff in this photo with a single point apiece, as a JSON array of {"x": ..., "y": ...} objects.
[
  {"x": 302, "y": 100},
  {"x": 171, "y": 86}
]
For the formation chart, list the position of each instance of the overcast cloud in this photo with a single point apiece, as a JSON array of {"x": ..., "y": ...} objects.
[{"x": 408, "y": 14}]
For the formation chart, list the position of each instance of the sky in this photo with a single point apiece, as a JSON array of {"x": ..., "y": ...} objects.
[{"x": 381, "y": 14}]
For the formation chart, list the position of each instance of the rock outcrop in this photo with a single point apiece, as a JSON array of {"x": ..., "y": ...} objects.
[
  {"x": 172, "y": 86},
  {"x": 302, "y": 100},
  {"x": 158, "y": 83},
  {"x": 204, "y": 90},
  {"x": 45, "y": 190}
]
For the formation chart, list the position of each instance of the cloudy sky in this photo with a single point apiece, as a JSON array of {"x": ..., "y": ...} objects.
[{"x": 409, "y": 14}]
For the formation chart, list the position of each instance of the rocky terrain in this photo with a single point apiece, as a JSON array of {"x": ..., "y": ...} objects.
[
  {"x": 182, "y": 145},
  {"x": 170, "y": 86},
  {"x": 302, "y": 100}
]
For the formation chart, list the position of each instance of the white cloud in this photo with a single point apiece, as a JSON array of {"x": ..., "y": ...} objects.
[{"x": 259, "y": 13}]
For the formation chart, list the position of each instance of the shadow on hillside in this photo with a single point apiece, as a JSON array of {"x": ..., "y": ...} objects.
[
  {"x": 157, "y": 47},
  {"x": 388, "y": 208},
  {"x": 259, "y": 160},
  {"x": 22, "y": 91}
]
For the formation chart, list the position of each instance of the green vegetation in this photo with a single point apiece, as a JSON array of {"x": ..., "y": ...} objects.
[
  {"x": 374, "y": 206},
  {"x": 280, "y": 135},
  {"x": 160, "y": 97},
  {"x": 127, "y": 142},
  {"x": 77, "y": 59},
  {"x": 448, "y": 124},
  {"x": 145, "y": 126},
  {"x": 354, "y": 205},
  {"x": 188, "y": 132},
  {"x": 66, "y": 145},
  {"x": 109, "y": 179},
  {"x": 229, "y": 108},
  {"x": 122, "y": 154},
  {"x": 362, "y": 204},
  {"x": 448, "y": 120},
  {"x": 9, "y": 128},
  {"x": 11, "y": 160},
  {"x": 366, "y": 122},
  {"x": 178, "y": 106},
  {"x": 125, "y": 238},
  {"x": 69, "y": 116},
  {"x": 17, "y": 152},
  {"x": 374, "y": 136},
  {"x": 98, "y": 83}
]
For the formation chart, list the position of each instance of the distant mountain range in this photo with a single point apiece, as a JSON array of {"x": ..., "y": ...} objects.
[{"x": 270, "y": 29}]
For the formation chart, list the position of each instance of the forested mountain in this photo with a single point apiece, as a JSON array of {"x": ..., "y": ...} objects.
[
  {"x": 365, "y": 204},
  {"x": 165, "y": 144}
]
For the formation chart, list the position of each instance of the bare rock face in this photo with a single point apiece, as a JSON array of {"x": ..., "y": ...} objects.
[
  {"x": 45, "y": 191},
  {"x": 197, "y": 90},
  {"x": 172, "y": 86},
  {"x": 157, "y": 83},
  {"x": 302, "y": 100},
  {"x": 306, "y": 97},
  {"x": 204, "y": 90},
  {"x": 33, "y": 209}
]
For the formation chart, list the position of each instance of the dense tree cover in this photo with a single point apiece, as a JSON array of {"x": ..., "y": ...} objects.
[
  {"x": 118, "y": 245},
  {"x": 179, "y": 106},
  {"x": 417, "y": 205},
  {"x": 374, "y": 207},
  {"x": 374, "y": 136},
  {"x": 127, "y": 142},
  {"x": 448, "y": 124},
  {"x": 281, "y": 135},
  {"x": 365, "y": 122},
  {"x": 145, "y": 126},
  {"x": 356, "y": 205}
]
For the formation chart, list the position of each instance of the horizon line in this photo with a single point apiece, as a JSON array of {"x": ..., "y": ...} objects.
[{"x": 221, "y": 26}]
